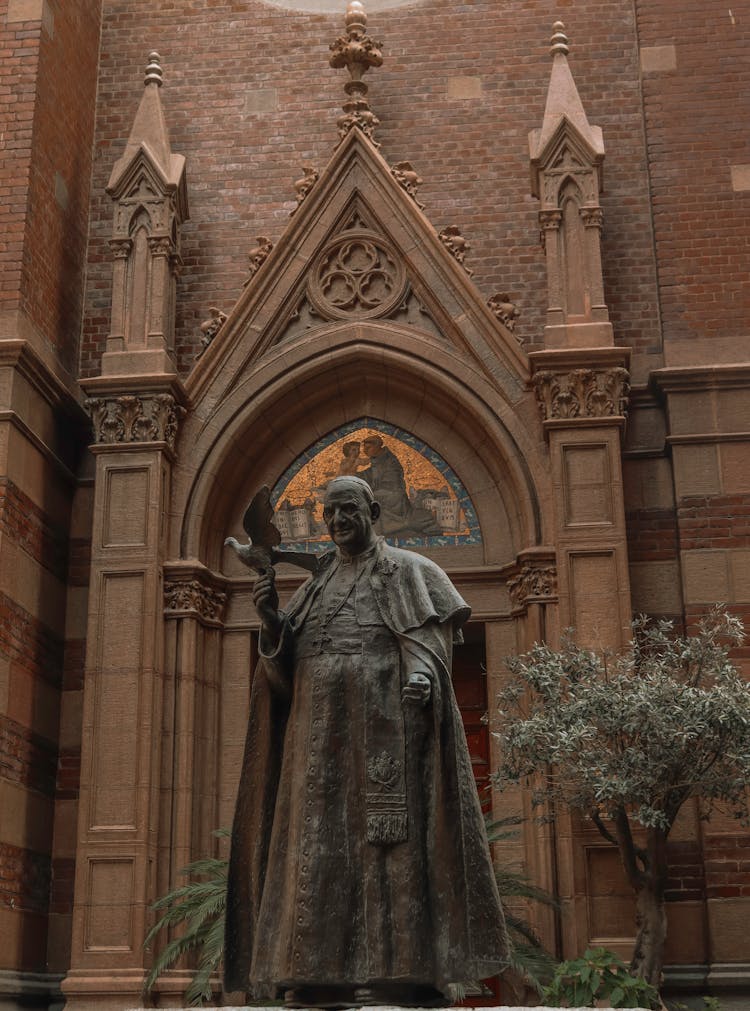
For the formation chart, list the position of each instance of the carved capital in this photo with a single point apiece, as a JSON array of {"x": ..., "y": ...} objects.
[
  {"x": 120, "y": 248},
  {"x": 130, "y": 419},
  {"x": 192, "y": 598},
  {"x": 592, "y": 217},
  {"x": 160, "y": 245},
  {"x": 549, "y": 221},
  {"x": 582, "y": 393},
  {"x": 533, "y": 584}
]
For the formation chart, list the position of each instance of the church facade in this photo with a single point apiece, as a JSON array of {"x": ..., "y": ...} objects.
[{"x": 503, "y": 278}]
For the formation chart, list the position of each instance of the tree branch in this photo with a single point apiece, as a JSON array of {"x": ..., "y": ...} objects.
[
  {"x": 604, "y": 831},
  {"x": 629, "y": 852}
]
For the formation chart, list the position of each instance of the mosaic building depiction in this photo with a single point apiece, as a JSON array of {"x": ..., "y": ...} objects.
[{"x": 492, "y": 264}]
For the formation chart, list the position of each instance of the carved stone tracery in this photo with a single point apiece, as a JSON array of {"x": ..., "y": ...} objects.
[
  {"x": 583, "y": 393},
  {"x": 127, "y": 418},
  {"x": 357, "y": 274}
]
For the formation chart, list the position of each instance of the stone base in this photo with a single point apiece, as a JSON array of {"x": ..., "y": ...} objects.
[
  {"x": 384, "y": 1007},
  {"x": 29, "y": 990}
]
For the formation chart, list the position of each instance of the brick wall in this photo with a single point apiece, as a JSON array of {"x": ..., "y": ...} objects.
[
  {"x": 719, "y": 521},
  {"x": 38, "y": 534},
  {"x": 49, "y": 55},
  {"x": 727, "y": 866},
  {"x": 27, "y": 758},
  {"x": 24, "y": 879},
  {"x": 19, "y": 57},
  {"x": 694, "y": 99},
  {"x": 472, "y": 154},
  {"x": 687, "y": 880}
]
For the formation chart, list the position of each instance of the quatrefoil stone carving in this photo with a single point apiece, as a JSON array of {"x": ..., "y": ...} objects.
[{"x": 357, "y": 274}]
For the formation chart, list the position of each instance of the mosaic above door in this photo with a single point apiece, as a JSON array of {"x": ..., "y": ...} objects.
[{"x": 423, "y": 503}]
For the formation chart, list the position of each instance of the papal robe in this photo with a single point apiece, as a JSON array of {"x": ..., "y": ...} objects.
[{"x": 359, "y": 853}]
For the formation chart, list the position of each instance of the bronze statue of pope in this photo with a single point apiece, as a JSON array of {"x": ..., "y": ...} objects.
[{"x": 359, "y": 871}]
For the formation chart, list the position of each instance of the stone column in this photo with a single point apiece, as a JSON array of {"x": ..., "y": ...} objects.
[
  {"x": 532, "y": 588},
  {"x": 118, "y": 824},
  {"x": 582, "y": 395}
]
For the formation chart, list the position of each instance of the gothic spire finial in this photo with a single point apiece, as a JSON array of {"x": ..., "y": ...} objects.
[
  {"x": 559, "y": 40},
  {"x": 357, "y": 52},
  {"x": 153, "y": 70}
]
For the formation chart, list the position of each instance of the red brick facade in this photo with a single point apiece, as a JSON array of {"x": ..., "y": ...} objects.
[{"x": 249, "y": 100}]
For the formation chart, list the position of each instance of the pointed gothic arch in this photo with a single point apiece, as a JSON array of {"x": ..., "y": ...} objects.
[{"x": 335, "y": 377}]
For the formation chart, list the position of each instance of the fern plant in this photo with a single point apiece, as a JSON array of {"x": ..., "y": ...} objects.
[
  {"x": 527, "y": 957},
  {"x": 199, "y": 906}
]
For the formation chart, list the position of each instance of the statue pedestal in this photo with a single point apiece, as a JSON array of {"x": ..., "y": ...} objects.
[{"x": 501, "y": 1007}]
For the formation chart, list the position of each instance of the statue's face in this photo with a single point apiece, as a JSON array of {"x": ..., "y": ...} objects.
[{"x": 348, "y": 516}]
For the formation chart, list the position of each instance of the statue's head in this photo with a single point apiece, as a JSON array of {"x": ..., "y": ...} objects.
[{"x": 349, "y": 511}]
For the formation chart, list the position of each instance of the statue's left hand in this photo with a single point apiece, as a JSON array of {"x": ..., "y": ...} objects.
[{"x": 417, "y": 689}]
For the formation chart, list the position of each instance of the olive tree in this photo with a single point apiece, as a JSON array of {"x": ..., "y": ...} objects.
[{"x": 627, "y": 739}]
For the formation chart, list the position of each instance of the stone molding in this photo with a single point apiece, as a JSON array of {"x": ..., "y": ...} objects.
[
  {"x": 189, "y": 596},
  {"x": 131, "y": 418},
  {"x": 696, "y": 378}
]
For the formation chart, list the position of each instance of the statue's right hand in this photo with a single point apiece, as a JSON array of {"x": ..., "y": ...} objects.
[{"x": 266, "y": 600}]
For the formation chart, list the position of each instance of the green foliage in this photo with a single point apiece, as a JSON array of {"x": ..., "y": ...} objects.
[
  {"x": 600, "y": 974},
  {"x": 527, "y": 956},
  {"x": 641, "y": 732},
  {"x": 709, "y": 1004},
  {"x": 627, "y": 740},
  {"x": 198, "y": 906}
]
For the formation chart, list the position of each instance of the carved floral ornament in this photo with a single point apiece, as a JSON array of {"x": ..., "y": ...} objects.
[
  {"x": 533, "y": 584},
  {"x": 356, "y": 51},
  {"x": 128, "y": 418},
  {"x": 190, "y": 597},
  {"x": 357, "y": 274},
  {"x": 583, "y": 393}
]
